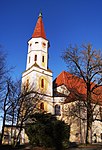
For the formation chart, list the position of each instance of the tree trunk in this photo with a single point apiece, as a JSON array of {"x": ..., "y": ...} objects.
[
  {"x": 12, "y": 133},
  {"x": 18, "y": 136},
  {"x": 89, "y": 113},
  {"x": 87, "y": 130}
]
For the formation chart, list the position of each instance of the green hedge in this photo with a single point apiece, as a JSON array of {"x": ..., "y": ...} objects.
[{"x": 46, "y": 131}]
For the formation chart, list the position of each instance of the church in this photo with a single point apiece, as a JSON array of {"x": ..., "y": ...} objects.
[{"x": 58, "y": 98}]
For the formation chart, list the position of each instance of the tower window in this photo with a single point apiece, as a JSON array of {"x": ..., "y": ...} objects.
[
  {"x": 29, "y": 59},
  {"x": 43, "y": 44},
  {"x": 30, "y": 44},
  {"x": 35, "y": 58},
  {"x": 42, "y": 58},
  {"x": 42, "y": 83},
  {"x": 36, "y": 42}
]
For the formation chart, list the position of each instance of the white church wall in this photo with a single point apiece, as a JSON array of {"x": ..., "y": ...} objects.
[{"x": 62, "y": 89}]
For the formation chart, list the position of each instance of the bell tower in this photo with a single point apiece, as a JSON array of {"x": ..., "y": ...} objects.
[
  {"x": 38, "y": 46},
  {"x": 37, "y": 73}
]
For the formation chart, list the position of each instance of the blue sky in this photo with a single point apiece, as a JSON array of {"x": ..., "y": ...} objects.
[{"x": 65, "y": 22}]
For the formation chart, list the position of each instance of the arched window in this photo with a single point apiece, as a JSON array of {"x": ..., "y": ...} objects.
[
  {"x": 30, "y": 44},
  {"x": 35, "y": 58},
  {"x": 43, "y": 59},
  {"x": 29, "y": 59},
  {"x": 57, "y": 110},
  {"x": 27, "y": 83},
  {"x": 42, "y": 83},
  {"x": 42, "y": 106},
  {"x": 36, "y": 42}
]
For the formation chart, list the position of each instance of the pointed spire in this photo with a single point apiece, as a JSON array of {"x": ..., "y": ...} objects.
[
  {"x": 40, "y": 14},
  {"x": 39, "y": 28}
]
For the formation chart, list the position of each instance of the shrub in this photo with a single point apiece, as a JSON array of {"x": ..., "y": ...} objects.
[{"x": 45, "y": 130}]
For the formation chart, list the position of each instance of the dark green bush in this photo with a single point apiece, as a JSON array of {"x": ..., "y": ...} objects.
[{"x": 45, "y": 130}]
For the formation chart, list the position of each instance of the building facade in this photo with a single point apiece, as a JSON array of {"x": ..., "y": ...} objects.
[{"x": 58, "y": 96}]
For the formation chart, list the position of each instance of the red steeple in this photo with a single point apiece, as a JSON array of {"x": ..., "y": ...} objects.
[{"x": 39, "y": 28}]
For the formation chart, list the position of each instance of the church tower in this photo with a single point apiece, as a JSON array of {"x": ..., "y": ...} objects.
[{"x": 37, "y": 73}]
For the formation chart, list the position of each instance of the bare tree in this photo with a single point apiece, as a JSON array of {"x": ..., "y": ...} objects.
[
  {"x": 16, "y": 104},
  {"x": 11, "y": 115},
  {"x": 26, "y": 105},
  {"x": 4, "y": 89},
  {"x": 86, "y": 63},
  {"x": 23, "y": 102},
  {"x": 5, "y": 105}
]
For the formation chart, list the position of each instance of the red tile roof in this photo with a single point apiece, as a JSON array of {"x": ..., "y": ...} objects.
[
  {"x": 77, "y": 87},
  {"x": 39, "y": 28}
]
